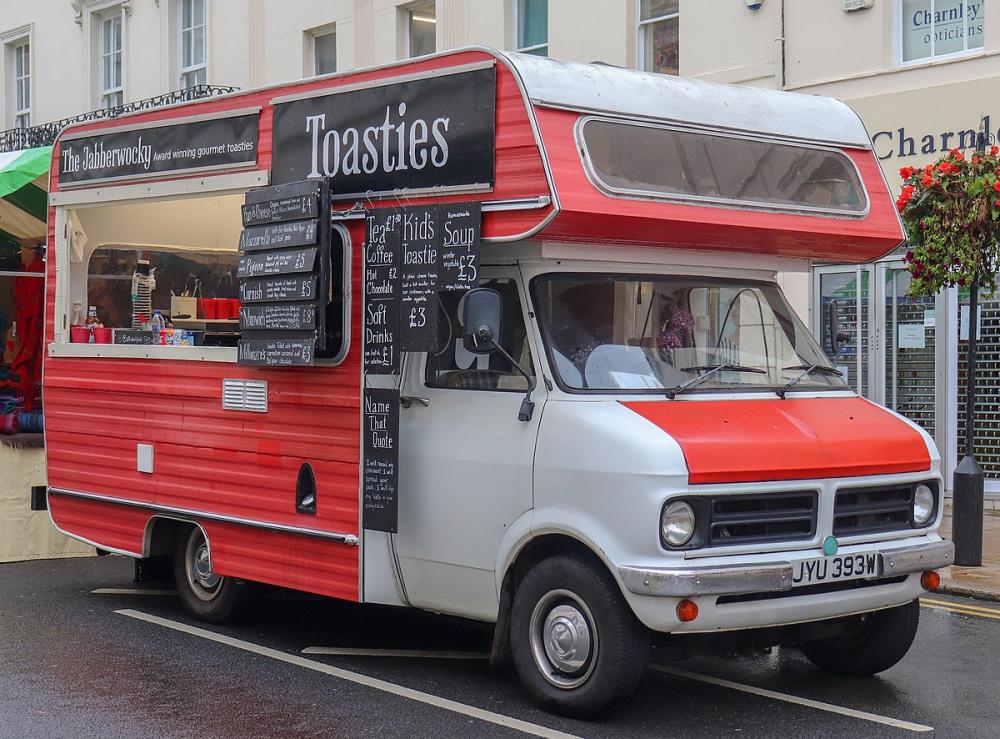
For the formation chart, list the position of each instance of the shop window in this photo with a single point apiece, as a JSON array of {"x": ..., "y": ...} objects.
[
  {"x": 532, "y": 26},
  {"x": 20, "y": 58},
  {"x": 659, "y": 21},
  {"x": 193, "y": 64},
  {"x": 641, "y": 160},
  {"x": 111, "y": 62},
  {"x": 939, "y": 28},
  {"x": 451, "y": 366},
  {"x": 324, "y": 45},
  {"x": 22, "y": 299},
  {"x": 421, "y": 28}
]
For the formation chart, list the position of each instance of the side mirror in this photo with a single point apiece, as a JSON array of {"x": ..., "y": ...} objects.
[
  {"x": 838, "y": 338},
  {"x": 481, "y": 312}
]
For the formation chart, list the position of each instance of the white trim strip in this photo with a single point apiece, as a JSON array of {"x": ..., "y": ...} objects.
[
  {"x": 414, "y": 653},
  {"x": 353, "y": 677},
  {"x": 807, "y": 702}
]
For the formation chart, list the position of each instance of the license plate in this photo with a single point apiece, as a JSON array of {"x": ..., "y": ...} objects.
[{"x": 839, "y": 567}]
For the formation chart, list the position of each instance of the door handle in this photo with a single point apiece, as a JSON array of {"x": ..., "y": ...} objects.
[{"x": 407, "y": 400}]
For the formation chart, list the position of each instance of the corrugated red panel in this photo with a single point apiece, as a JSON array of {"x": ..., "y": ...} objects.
[
  {"x": 587, "y": 214},
  {"x": 239, "y": 463}
]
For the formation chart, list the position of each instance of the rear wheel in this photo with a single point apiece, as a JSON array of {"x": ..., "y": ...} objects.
[
  {"x": 876, "y": 642},
  {"x": 576, "y": 644},
  {"x": 206, "y": 595}
]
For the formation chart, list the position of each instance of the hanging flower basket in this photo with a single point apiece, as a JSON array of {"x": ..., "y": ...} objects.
[{"x": 951, "y": 212}]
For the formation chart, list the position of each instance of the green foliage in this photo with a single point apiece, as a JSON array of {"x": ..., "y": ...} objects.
[{"x": 951, "y": 211}]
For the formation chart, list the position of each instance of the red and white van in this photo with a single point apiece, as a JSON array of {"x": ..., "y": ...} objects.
[{"x": 689, "y": 460}]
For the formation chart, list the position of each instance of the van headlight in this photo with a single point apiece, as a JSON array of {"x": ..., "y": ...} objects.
[
  {"x": 677, "y": 523},
  {"x": 923, "y": 504}
]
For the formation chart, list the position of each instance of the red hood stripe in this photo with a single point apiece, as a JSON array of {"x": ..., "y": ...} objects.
[{"x": 795, "y": 439}]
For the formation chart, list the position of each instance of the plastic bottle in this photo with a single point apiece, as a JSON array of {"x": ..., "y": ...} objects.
[
  {"x": 77, "y": 313},
  {"x": 92, "y": 323},
  {"x": 157, "y": 324}
]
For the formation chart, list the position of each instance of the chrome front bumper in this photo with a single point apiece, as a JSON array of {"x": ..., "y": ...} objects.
[{"x": 682, "y": 582}]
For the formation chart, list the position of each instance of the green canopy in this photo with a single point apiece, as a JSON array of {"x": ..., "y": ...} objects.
[{"x": 23, "y": 194}]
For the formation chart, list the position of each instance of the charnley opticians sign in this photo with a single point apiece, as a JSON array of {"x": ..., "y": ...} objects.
[
  {"x": 409, "y": 133},
  {"x": 906, "y": 142},
  {"x": 215, "y": 142}
]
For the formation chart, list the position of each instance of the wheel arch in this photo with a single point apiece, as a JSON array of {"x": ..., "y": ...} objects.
[{"x": 162, "y": 531}]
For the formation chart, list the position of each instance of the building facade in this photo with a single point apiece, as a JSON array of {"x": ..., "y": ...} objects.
[{"x": 922, "y": 74}]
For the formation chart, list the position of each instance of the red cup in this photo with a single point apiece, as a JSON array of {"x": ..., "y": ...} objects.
[
  {"x": 201, "y": 308},
  {"x": 211, "y": 309},
  {"x": 102, "y": 335},
  {"x": 234, "y": 307},
  {"x": 79, "y": 335}
]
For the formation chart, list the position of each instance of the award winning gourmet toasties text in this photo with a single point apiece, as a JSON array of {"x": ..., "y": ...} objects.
[{"x": 393, "y": 145}]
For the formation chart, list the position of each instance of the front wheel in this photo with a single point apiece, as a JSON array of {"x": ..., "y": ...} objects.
[
  {"x": 576, "y": 644},
  {"x": 876, "y": 642},
  {"x": 206, "y": 595}
]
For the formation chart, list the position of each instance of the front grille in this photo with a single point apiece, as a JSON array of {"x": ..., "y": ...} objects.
[
  {"x": 872, "y": 510},
  {"x": 818, "y": 588},
  {"x": 762, "y": 517}
]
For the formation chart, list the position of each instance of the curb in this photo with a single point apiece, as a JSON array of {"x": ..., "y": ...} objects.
[{"x": 968, "y": 591}]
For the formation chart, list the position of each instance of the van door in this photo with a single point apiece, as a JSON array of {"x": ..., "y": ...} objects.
[{"x": 465, "y": 458}]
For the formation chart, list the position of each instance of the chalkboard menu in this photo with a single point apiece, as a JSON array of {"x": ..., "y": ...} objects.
[
  {"x": 381, "y": 282},
  {"x": 420, "y": 250},
  {"x": 284, "y": 273},
  {"x": 380, "y": 494},
  {"x": 461, "y": 233}
]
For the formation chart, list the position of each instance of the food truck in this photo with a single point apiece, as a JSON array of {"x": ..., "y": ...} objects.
[{"x": 494, "y": 336}]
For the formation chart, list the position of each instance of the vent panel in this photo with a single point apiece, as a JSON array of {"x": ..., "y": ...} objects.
[{"x": 244, "y": 395}]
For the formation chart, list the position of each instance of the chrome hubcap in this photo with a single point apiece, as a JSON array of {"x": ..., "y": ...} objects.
[
  {"x": 204, "y": 583},
  {"x": 203, "y": 568},
  {"x": 563, "y": 639}
]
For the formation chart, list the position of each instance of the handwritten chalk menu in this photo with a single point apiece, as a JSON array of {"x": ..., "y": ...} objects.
[
  {"x": 276, "y": 352},
  {"x": 291, "y": 202},
  {"x": 284, "y": 274},
  {"x": 278, "y": 289},
  {"x": 420, "y": 249},
  {"x": 461, "y": 232},
  {"x": 283, "y": 316},
  {"x": 381, "y": 317},
  {"x": 275, "y": 235},
  {"x": 287, "y": 261},
  {"x": 380, "y": 479}
]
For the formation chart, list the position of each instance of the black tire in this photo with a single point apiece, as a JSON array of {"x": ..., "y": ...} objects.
[
  {"x": 618, "y": 652},
  {"x": 876, "y": 643},
  {"x": 205, "y": 595}
]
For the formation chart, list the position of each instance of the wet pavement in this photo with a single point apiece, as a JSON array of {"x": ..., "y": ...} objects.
[
  {"x": 983, "y": 582},
  {"x": 74, "y": 663}
]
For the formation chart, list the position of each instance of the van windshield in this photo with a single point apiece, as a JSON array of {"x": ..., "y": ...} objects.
[{"x": 645, "y": 334}]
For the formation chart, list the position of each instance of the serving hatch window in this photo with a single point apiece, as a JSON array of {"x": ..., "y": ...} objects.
[{"x": 645, "y": 160}]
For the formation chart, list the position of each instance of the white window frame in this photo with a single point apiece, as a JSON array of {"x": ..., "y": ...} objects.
[
  {"x": 184, "y": 71},
  {"x": 408, "y": 11},
  {"x": 105, "y": 92},
  {"x": 640, "y": 36},
  {"x": 312, "y": 68},
  {"x": 20, "y": 83},
  {"x": 517, "y": 33},
  {"x": 897, "y": 34}
]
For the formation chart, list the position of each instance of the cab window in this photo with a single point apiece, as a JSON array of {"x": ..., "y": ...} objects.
[{"x": 451, "y": 366}]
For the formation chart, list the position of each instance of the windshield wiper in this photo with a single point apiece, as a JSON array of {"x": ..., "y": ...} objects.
[
  {"x": 711, "y": 370},
  {"x": 809, "y": 369}
]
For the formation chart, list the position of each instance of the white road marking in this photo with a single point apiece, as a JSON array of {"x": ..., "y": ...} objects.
[
  {"x": 864, "y": 715},
  {"x": 354, "y": 677},
  {"x": 132, "y": 591},
  {"x": 427, "y": 654}
]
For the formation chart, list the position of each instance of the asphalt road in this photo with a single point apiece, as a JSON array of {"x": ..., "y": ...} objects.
[{"x": 79, "y": 663}]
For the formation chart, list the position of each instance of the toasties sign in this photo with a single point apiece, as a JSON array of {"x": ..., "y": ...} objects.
[{"x": 374, "y": 139}]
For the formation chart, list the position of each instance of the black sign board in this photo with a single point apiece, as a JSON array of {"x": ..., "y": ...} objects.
[
  {"x": 282, "y": 316},
  {"x": 134, "y": 337},
  {"x": 142, "y": 153},
  {"x": 277, "y": 235},
  {"x": 381, "y": 319},
  {"x": 425, "y": 133},
  {"x": 284, "y": 282},
  {"x": 294, "y": 201},
  {"x": 283, "y": 262},
  {"x": 380, "y": 479},
  {"x": 278, "y": 289},
  {"x": 276, "y": 352},
  {"x": 461, "y": 231},
  {"x": 420, "y": 251}
]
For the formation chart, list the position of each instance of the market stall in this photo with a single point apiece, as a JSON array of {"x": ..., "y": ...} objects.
[{"x": 23, "y": 204}]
